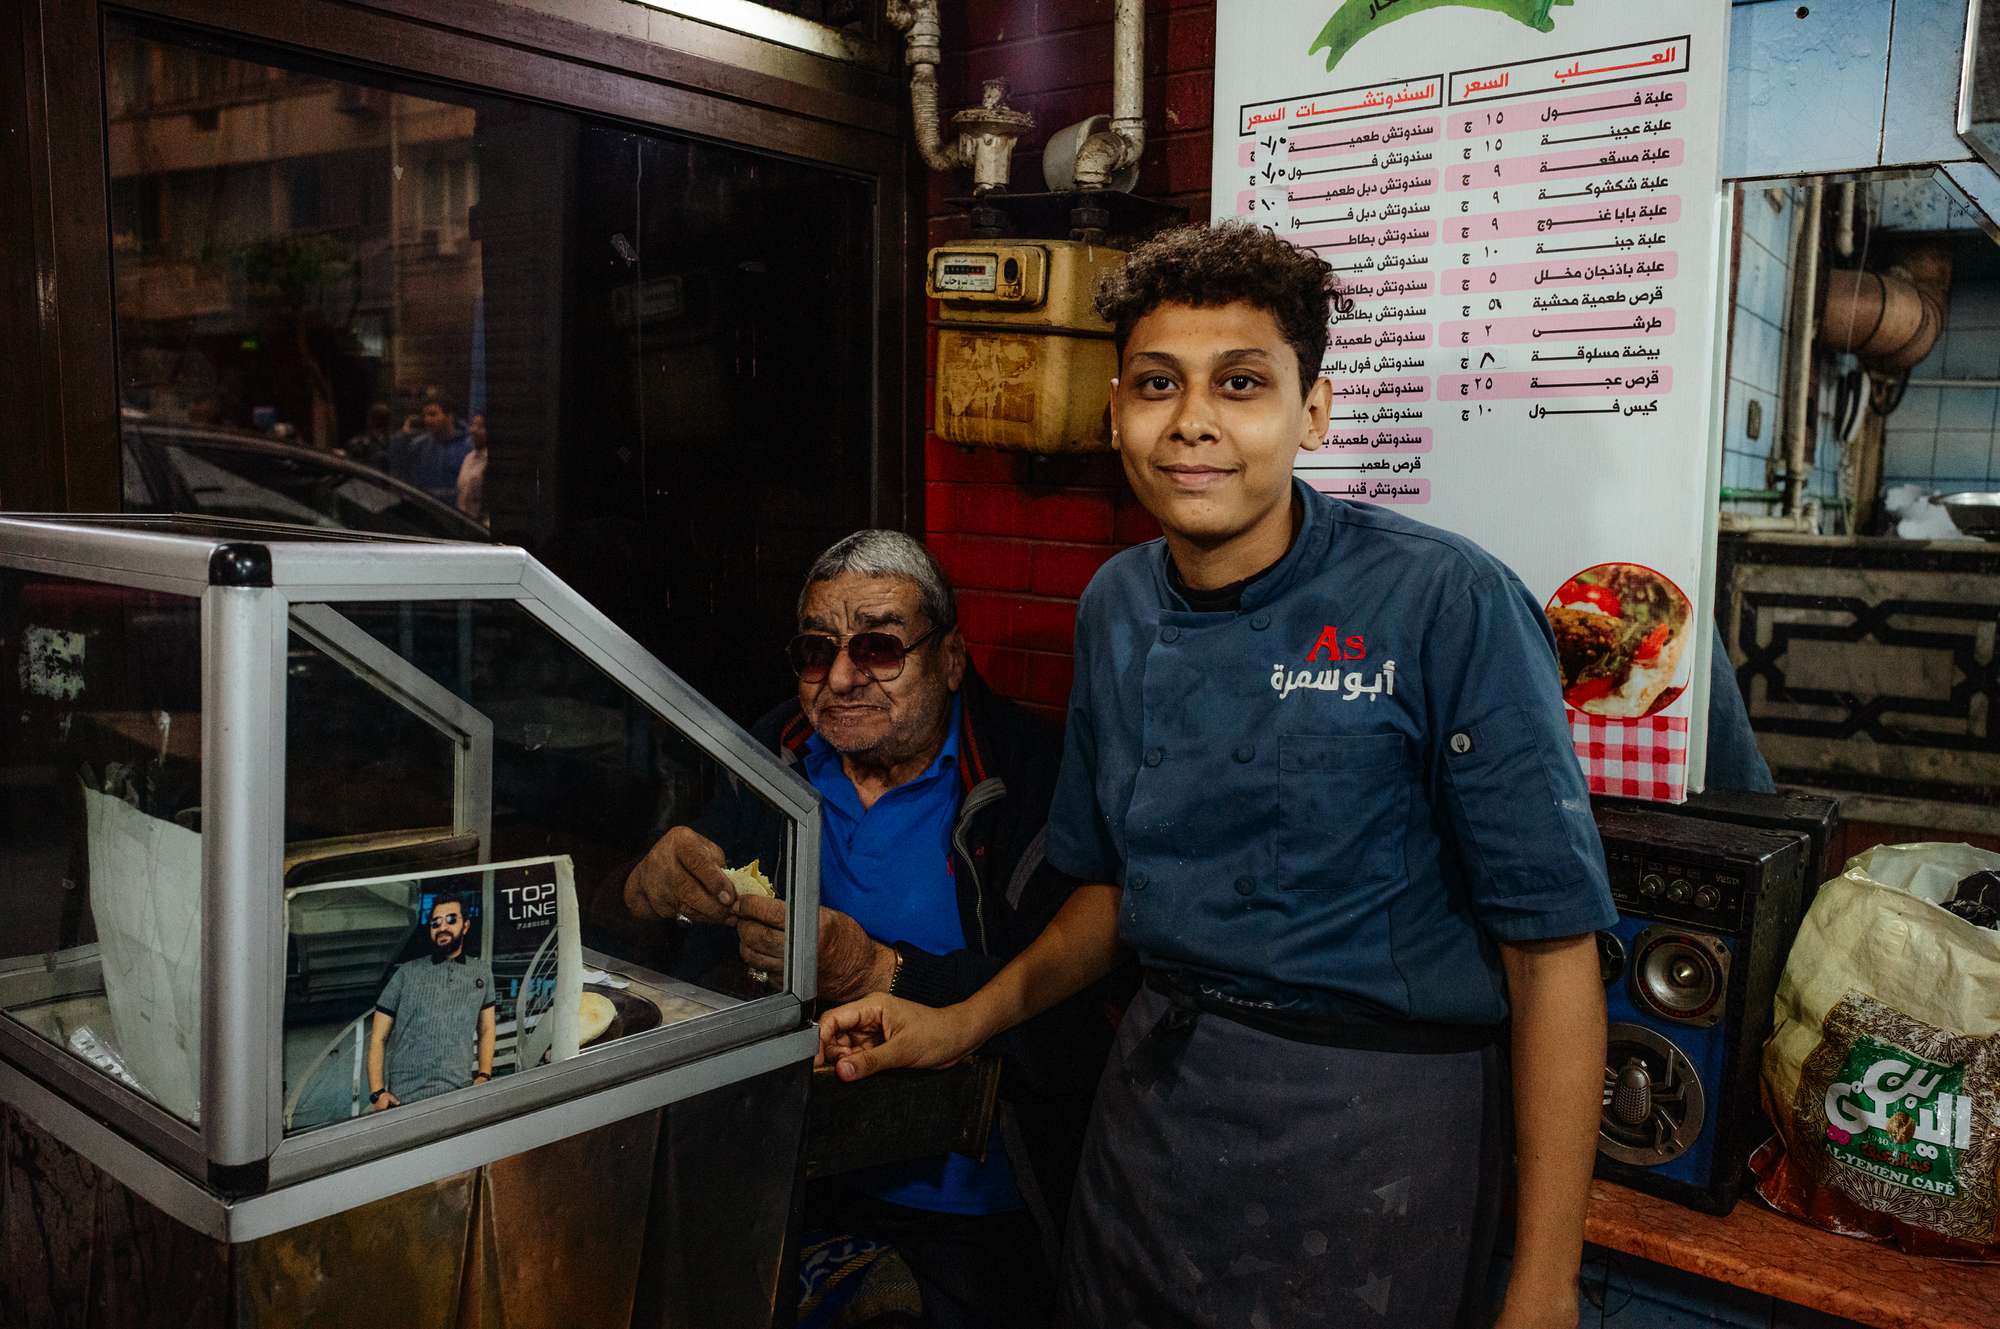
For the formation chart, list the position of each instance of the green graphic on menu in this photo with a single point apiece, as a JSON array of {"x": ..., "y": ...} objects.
[{"x": 1355, "y": 19}]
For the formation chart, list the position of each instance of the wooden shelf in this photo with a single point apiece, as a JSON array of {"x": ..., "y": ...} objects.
[{"x": 1756, "y": 1248}]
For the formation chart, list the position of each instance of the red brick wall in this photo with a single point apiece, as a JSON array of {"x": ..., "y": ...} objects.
[{"x": 1020, "y": 536}]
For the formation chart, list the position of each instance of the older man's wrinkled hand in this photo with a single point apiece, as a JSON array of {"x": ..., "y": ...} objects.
[
  {"x": 681, "y": 877},
  {"x": 850, "y": 961}
]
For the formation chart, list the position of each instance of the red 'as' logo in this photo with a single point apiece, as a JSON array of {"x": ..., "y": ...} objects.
[{"x": 1354, "y": 646}]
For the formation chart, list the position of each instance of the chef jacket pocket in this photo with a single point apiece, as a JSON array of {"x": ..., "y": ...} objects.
[{"x": 1343, "y": 800}]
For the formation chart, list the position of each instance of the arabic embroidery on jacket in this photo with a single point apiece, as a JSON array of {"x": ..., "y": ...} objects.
[{"x": 1349, "y": 685}]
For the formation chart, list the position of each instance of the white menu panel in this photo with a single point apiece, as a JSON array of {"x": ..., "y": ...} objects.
[{"x": 1522, "y": 203}]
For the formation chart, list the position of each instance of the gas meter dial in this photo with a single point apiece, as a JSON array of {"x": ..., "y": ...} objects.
[{"x": 1008, "y": 275}]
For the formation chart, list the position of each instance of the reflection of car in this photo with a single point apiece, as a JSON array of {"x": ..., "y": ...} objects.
[{"x": 176, "y": 467}]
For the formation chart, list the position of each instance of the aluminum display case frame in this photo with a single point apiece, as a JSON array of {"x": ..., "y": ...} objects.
[{"x": 237, "y": 1177}]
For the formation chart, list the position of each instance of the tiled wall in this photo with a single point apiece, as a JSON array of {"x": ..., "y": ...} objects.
[
  {"x": 1757, "y": 355},
  {"x": 1945, "y": 438}
]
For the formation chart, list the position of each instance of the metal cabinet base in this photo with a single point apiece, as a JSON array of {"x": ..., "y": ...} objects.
[
  {"x": 722, "y": 1243},
  {"x": 680, "y": 1216}
]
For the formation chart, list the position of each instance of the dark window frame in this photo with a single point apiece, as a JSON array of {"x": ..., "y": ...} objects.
[{"x": 692, "y": 79}]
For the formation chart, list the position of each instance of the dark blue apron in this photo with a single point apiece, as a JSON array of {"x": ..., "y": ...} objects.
[{"x": 1237, "y": 1177}]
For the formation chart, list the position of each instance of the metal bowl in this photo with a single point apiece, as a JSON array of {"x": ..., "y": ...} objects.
[{"x": 1974, "y": 513}]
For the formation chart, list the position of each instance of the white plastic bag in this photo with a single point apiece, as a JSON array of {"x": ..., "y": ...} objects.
[{"x": 1882, "y": 1072}]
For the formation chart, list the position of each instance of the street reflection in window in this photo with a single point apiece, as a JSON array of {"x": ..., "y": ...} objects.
[{"x": 401, "y": 307}]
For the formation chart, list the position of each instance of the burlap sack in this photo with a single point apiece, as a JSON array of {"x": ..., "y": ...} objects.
[{"x": 1882, "y": 1073}]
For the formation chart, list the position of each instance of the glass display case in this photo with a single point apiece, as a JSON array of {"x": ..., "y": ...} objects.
[{"x": 314, "y": 854}]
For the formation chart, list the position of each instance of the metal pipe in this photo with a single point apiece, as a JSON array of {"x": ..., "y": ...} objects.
[
  {"x": 1128, "y": 58},
  {"x": 923, "y": 51},
  {"x": 1103, "y": 155},
  {"x": 984, "y": 135},
  {"x": 1801, "y": 524},
  {"x": 1799, "y": 351},
  {"x": 1843, "y": 227}
]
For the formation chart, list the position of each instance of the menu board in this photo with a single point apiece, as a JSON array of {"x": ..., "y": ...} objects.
[{"x": 1521, "y": 201}]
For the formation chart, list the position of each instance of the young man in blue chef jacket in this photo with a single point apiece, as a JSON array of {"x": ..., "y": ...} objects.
[{"x": 1319, "y": 773}]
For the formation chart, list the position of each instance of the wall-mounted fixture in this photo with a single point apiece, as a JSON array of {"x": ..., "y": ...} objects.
[
  {"x": 1023, "y": 360},
  {"x": 1102, "y": 152},
  {"x": 1090, "y": 167},
  {"x": 986, "y": 132}
]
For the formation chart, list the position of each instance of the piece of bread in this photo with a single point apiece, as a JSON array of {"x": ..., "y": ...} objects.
[
  {"x": 594, "y": 1014},
  {"x": 750, "y": 880}
]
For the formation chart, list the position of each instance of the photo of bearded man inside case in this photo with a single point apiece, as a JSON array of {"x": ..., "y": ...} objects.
[{"x": 433, "y": 1025}]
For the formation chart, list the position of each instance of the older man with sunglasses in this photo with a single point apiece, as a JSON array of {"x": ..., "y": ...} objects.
[{"x": 934, "y": 793}]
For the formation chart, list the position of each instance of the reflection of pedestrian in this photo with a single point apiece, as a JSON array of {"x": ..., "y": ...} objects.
[
  {"x": 430, "y": 459},
  {"x": 472, "y": 472},
  {"x": 427, "y": 1016},
  {"x": 371, "y": 445}
]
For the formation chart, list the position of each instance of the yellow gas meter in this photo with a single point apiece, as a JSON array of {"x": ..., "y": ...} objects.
[{"x": 1023, "y": 360}]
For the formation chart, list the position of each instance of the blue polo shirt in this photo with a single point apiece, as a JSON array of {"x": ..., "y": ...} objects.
[
  {"x": 1337, "y": 797},
  {"x": 890, "y": 868}
]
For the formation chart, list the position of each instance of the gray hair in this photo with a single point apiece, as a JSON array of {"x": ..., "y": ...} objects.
[{"x": 887, "y": 554}]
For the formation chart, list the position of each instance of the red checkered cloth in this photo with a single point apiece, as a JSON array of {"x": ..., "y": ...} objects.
[{"x": 1646, "y": 758}]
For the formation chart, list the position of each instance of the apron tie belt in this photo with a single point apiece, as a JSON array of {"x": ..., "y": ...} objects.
[{"x": 1152, "y": 1061}]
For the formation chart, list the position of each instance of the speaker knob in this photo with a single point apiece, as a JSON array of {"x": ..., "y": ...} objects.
[
  {"x": 1678, "y": 891},
  {"x": 1706, "y": 898},
  {"x": 1652, "y": 884},
  {"x": 1632, "y": 1095}
]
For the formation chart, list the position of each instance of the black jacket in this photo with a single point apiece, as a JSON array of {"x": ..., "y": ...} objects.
[{"x": 1007, "y": 893}]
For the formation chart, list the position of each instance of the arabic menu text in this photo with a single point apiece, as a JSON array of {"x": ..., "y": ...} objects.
[{"x": 1506, "y": 239}]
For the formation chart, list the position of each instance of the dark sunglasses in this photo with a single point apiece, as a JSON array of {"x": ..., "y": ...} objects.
[{"x": 876, "y": 654}]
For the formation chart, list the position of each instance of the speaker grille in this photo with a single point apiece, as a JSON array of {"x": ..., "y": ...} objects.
[
  {"x": 1653, "y": 1105},
  {"x": 1680, "y": 975}
]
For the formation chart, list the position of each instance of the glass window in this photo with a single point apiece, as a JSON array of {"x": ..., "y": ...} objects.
[
  {"x": 255, "y": 480},
  {"x": 623, "y": 332},
  {"x": 223, "y": 484},
  {"x": 430, "y": 741},
  {"x": 100, "y": 828}
]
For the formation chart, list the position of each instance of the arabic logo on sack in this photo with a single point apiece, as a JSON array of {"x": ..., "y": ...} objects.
[
  {"x": 1899, "y": 1118},
  {"x": 1357, "y": 18}
]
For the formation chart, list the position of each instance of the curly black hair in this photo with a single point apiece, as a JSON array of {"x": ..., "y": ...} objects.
[{"x": 1205, "y": 266}]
